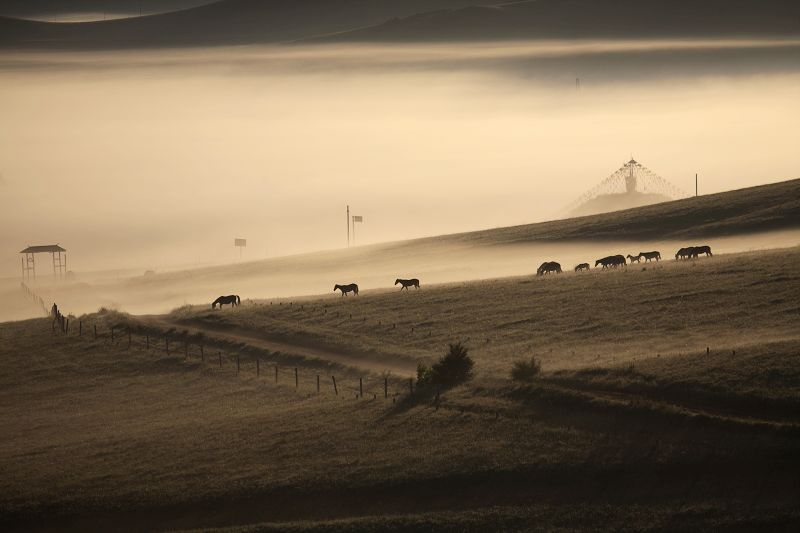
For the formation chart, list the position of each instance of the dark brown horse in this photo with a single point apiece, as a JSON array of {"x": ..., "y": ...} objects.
[
  {"x": 548, "y": 267},
  {"x": 611, "y": 261},
  {"x": 406, "y": 283},
  {"x": 346, "y": 288},
  {"x": 649, "y": 256},
  {"x": 705, "y": 249},
  {"x": 582, "y": 266},
  {"x": 232, "y": 299}
]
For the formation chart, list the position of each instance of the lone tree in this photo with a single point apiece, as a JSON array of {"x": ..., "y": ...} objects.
[{"x": 452, "y": 369}]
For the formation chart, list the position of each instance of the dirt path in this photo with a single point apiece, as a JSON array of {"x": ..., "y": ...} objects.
[{"x": 401, "y": 367}]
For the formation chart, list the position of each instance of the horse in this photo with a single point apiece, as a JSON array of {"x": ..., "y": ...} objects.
[
  {"x": 548, "y": 267},
  {"x": 582, "y": 266},
  {"x": 635, "y": 258},
  {"x": 697, "y": 250},
  {"x": 346, "y": 288},
  {"x": 649, "y": 256},
  {"x": 684, "y": 253},
  {"x": 406, "y": 283},
  {"x": 232, "y": 299},
  {"x": 611, "y": 260}
]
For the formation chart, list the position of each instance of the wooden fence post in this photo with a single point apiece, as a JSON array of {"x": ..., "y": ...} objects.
[
  {"x": 95, "y": 331},
  {"x": 276, "y": 373},
  {"x": 147, "y": 341},
  {"x": 335, "y": 390},
  {"x": 708, "y": 350},
  {"x": 66, "y": 325},
  {"x": 296, "y": 384},
  {"x": 360, "y": 387},
  {"x": 317, "y": 383},
  {"x": 80, "y": 328},
  {"x": 385, "y": 387}
]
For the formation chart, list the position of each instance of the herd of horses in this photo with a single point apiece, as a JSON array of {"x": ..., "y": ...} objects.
[
  {"x": 614, "y": 261},
  {"x": 548, "y": 267}
]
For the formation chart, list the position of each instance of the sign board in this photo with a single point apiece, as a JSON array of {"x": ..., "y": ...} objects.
[
  {"x": 358, "y": 218},
  {"x": 240, "y": 242}
]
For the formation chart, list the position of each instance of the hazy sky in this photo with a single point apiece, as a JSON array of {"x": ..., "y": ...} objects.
[{"x": 159, "y": 159}]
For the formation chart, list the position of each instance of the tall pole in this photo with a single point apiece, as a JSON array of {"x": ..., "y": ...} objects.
[
  {"x": 354, "y": 233},
  {"x": 348, "y": 226}
]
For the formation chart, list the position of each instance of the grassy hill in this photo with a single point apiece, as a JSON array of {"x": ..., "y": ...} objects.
[{"x": 632, "y": 424}]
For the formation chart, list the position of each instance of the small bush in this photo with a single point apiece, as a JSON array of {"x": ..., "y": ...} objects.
[
  {"x": 526, "y": 370},
  {"x": 452, "y": 369}
]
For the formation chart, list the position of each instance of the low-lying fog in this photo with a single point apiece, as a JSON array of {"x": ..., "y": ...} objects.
[{"x": 158, "y": 159}]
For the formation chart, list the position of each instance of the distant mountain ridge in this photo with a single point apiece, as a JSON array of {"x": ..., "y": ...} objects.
[
  {"x": 270, "y": 21},
  {"x": 219, "y": 23},
  {"x": 537, "y": 19}
]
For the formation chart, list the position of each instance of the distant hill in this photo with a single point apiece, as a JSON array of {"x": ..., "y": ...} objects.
[
  {"x": 266, "y": 21},
  {"x": 222, "y": 22},
  {"x": 592, "y": 18}
]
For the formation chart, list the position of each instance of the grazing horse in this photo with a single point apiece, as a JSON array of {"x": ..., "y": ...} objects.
[
  {"x": 611, "y": 261},
  {"x": 548, "y": 267},
  {"x": 697, "y": 250},
  {"x": 346, "y": 288},
  {"x": 649, "y": 256},
  {"x": 684, "y": 253},
  {"x": 406, "y": 283},
  {"x": 232, "y": 299},
  {"x": 582, "y": 266},
  {"x": 633, "y": 258}
]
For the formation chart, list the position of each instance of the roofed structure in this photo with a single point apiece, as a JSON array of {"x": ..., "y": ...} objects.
[{"x": 59, "y": 262}]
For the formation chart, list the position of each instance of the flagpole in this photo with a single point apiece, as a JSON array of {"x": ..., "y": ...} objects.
[{"x": 348, "y": 226}]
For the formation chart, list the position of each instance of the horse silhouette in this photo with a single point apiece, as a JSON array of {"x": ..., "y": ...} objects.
[
  {"x": 582, "y": 266},
  {"x": 611, "y": 261},
  {"x": 406, "y": 283},
  {"x": 548, "y": 267},
  {"x": 705, "y": 249},
  {"x": 649, "y": 256},
  {"x": 346, "y": 288},
  {"x": 634, "y": 258},
  {"x": 685, "y": 253},
  {"x": 232, "y": 299}
]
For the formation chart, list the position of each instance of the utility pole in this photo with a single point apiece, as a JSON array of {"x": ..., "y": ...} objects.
[{"x": 348, "y": 226}]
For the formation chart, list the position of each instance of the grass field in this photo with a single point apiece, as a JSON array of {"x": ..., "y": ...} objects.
[{"x": 631, "y": 426}]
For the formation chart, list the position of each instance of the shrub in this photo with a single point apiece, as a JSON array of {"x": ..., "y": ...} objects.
[
  {"x": 526, "y": 369},
  {"x": 424, "y": 375},
  {"x": 454, "y": 368}
]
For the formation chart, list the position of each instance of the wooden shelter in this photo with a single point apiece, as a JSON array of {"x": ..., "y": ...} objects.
[{"x": 55, "y": 251}]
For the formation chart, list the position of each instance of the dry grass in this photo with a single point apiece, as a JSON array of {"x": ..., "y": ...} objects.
[{"x": 630, "y": 421}]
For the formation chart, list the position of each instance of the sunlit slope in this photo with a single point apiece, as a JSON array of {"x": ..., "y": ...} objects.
[{"x": 630, "y": 418}]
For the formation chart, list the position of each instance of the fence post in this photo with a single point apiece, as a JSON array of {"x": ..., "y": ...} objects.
[
  {"x": 276, "y": 373},
  {"x": 317, "y": 383},
  {"x": 166, "y": 342},
  {"x": 708, "y": 350},
  {"x": 335, "y": 390},
  {"x": 385, "y": 387},
  {"x": 66, "y": 325},
  {"x": 80, "y": 328},
  {"x": 147, "y": 341},
  {"x": 95, "y": 331},
  {"x": 186, "y": 349},
  {"x": 360, "y": 387},
  {"x": 295, "y": 378}
]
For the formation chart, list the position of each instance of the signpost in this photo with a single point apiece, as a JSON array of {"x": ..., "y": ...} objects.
[
  {"x": 240, "y": 243},
  {"x": 356, "y": 218}
]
